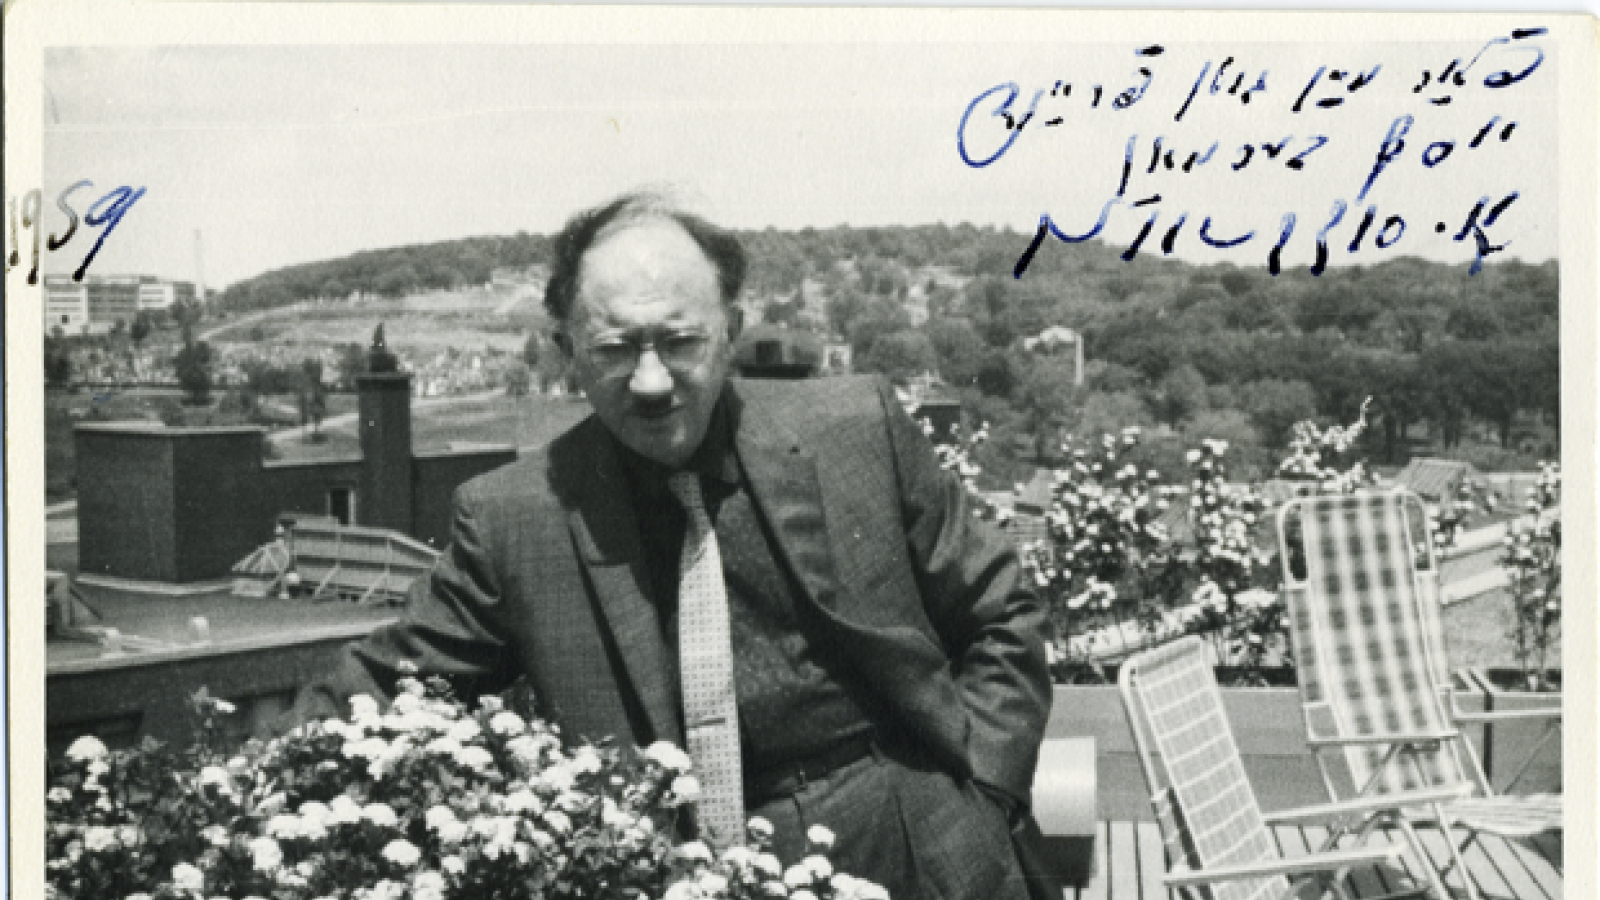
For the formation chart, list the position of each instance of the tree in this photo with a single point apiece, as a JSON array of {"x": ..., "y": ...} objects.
[
  {"x": 518, "y": 379},
  {"x": 1275, "y": 405},
  {"x": 1044, "y": 396},
  {"x": 312, "y": 394},
  {"x": 193, "y": 366},
  {"x": 1180, "y": 393},
  {"x": 352, "y": 362},
  {"x": 57, "y": 364},
  {"x": 141, "y": 327},
  {"x": 959, "y": 347},
  {"x": 900, "y": 355}
]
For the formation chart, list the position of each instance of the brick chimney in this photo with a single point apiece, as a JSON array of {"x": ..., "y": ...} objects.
[{"x": 383, "y": 497}]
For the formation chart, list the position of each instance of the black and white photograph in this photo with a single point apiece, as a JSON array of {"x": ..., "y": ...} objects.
[{"x": 648, "y": 453}]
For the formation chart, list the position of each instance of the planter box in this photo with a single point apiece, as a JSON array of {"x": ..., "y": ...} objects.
[
  {"x": 1506, "y": 745},
  {"x": 1266, "y": 724}
]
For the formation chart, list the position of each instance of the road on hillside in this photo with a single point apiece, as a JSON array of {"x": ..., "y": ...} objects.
[{"x": 347, "y": 418}]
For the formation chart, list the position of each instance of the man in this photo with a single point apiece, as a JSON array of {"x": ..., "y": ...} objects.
[{"x": 783, "y": 566}]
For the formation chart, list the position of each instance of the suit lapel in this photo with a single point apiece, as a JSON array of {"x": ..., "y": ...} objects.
[
  {"x": 605, "y": 530},
  {"x": 782, "y": 476}
]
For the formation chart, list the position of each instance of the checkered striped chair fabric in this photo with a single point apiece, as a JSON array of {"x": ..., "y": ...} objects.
[
  {"x": 1362, "y": 643},
  {"x": 1208, "y": 812}
]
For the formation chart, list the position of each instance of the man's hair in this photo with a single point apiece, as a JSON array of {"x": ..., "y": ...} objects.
[{"x": 583, "y": 230}]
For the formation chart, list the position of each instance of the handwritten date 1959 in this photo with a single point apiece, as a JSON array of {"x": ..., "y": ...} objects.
[{"x": 105, "y": 214}]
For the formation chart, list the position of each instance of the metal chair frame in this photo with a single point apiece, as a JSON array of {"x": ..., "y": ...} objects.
[
  {"x": 1189, "y": 872},
  {"x": 1393, "y": 762}
]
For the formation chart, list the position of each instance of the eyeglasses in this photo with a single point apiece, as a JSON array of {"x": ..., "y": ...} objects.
[{"x": 618, "y": 356}]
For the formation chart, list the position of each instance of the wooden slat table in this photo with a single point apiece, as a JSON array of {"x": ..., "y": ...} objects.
[{"x": 1129, "y": 863}]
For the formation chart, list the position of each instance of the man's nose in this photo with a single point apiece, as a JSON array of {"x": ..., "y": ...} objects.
[{"x": 650, "y": 377}]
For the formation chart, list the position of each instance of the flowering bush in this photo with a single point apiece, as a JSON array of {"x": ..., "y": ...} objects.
[
  {"x": 955, "y": 452},
  {"x": 1322, "y": 455},
  {"x": 1248, "y": 626},
  {"x": 1532, "y": 562},
  {"x": 1106, "y": 557},
  {"x": 427, "y": 801}
]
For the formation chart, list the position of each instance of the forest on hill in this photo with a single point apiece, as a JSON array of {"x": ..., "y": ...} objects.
[{"x": 1456, "y": 364}]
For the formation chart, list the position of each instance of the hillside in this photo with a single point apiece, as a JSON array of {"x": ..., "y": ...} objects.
[{"x": 1456, "y": 364}]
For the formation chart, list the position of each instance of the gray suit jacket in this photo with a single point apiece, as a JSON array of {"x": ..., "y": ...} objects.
[{"x": 545, "y": 578}]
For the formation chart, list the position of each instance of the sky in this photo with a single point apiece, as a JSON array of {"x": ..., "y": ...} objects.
[{"x": 285, "y": 154}]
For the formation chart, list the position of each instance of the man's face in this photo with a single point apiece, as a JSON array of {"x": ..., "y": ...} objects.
[{"x": 649, "y": 335}]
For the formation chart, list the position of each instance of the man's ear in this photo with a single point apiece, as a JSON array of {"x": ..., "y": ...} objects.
[{"x": 735, "y": 322}]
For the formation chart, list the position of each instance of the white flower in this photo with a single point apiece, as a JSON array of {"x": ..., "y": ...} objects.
[
  {"x": 768, "y": 865},
  {"x": 428, "y": 886},
  {"x": 465, "y": 730},
  {"x": 819, "y": 866},
  {"x": 802, "y": 894},
  {"x": 314, "y": 811},
  {"x": 797, "y": 876},
  {"x": 362, "y": 708},
  {"x": 265, "y": 854},
  {"x": 586, "y": 761},
  {"x": 558, "y": 777},
  {"x": 218, "y": 776},
  {"x": 686, "y": 787},
  {"x": 820, "y": 837},
  {"x": 380, "y": 814},
  {"x": 669, "y": 757},
  {"x": 694, "y": 851},
  {"x": 404, "y": 704},
  {"x": 284, "y": 827},
  {"x": 188, "y": 878},
  {"x": 216, "y": 835},
  {"x": 343, "y": 811},
  {"x": 59, "y": 795},
  {"x": 99, "y": 837},
  {"x": 507, "y": 723},
  {"x": 712, "y": 884},
  {"x": 558, "y": 821},
  {"x": 474, "y": 757},
  {"x": 739, "y": 857},
  {"x": 522, "y": 801},
  {"x": 758, "y": 828},
  {"x": 452, "y": 833},
  {"x": 87, "y": 748},
  {"x": 443, "y": 746},
  {"x": 683, "y": 890},
  {"x": 453, "y": 864},
  {"x": 438, "y": 816},
  {"x": 402, "y": 853},
  {"x": 366, "y": 748}
]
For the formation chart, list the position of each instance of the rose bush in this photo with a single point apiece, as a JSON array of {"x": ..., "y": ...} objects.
[
  {"x": 1532, "y": 563},
  {"x": 424, "y": 801}
]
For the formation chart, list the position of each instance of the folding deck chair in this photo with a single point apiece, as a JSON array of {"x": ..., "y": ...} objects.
[
  {"x": 1374, "y": 679},
  {"x": 1215, "y": 835}
]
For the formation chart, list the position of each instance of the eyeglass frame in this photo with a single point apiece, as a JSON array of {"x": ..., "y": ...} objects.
[{"x": 637, "y": 347}]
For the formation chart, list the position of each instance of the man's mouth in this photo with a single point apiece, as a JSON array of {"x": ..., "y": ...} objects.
[{"x": 654, "y": 413}]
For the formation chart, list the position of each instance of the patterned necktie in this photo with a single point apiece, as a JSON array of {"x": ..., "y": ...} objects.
[{"x": 705, "y": 659}]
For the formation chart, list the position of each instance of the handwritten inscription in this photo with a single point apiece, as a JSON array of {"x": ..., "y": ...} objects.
[
  {"x": 105, "y": 214},
  {"x": 995, "y": 121}
]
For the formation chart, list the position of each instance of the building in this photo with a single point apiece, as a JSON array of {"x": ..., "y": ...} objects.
[
  {"x": 66, "y": 304},
  {"x": 1059, "y": 341},
  {"x": 97, "y": 303},
  {"x": 766, "y": 350},
  {"x": 183, "y": 505},
  {"x": 154, "y": 293}
]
